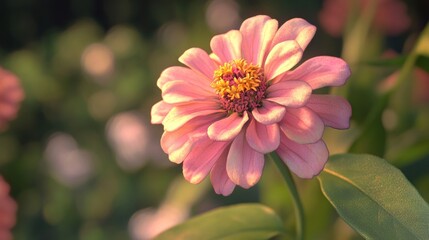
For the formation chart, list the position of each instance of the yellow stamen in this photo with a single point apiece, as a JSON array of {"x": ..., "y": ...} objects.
[{"x": 235, "y": 77}]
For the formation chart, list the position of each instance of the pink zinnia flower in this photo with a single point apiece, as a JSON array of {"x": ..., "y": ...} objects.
[
  {"x": 224, "y": 111},
  {"x": 11, "y": 95},
  {"x": 7, "y": 211}
]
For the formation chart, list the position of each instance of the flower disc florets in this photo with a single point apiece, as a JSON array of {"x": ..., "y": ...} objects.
[{"x": 240, "y": 85}]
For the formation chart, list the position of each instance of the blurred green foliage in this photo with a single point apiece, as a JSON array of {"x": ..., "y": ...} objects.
[{"x": 49, "y": 43}]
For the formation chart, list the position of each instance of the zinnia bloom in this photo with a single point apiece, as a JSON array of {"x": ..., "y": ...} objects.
[
  {"x": 11, "y": 95},
  {"x": 7, "y": 211},
  {"x": 224, "y": 111}
]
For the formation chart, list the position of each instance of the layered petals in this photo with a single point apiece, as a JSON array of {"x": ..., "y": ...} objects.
[
  {"x": 302, "y": 125},
  {"x": 226, "y": 129},
  {"x": 159, "y": 111},
  {"x": 176, "y": 73},
  {"x": 227, "y": 47},
  {"x": 199, "y": 61},
  {"x": 281, "y": 58},
  {"x": 295, "y": 29},
  {"x": 201, "y": 159},
  {"x": 289, "y": 93},
  {"x": 269, "y": 113},
  {"x": 305, "y": 160},
  {"x": 321, "y": 72},
  {"x": 219, "y": 177},
  {"x": 181, "y": 114},
  {"x": 257, "y": 34},
  {"x": 335, "y": 111},
  {"x": 263, "y": 138},
  {"x": 244, "y": 165},
  {"x": 178, "y": 143},
  {"x": 181, "y": 91}
]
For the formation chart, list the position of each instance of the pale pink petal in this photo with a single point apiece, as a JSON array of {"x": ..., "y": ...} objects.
[
  {"x": 184, "y": 74},
  {"x": 177, "y": 144},
  {"x": 289, "y": 93},
  {"x": 263, "y": 138},
  {"x": 269, "y": 113},
  {"x": 226, "y": 129},
  {"x": 159, "y": 111},
  {"x": 244, "y": 165},
  {"x": 295, "y": 29},
  {"x": 227, "y": 46},
  {"x": 199, "y": 61},
  {"x": 320, "y": 72},
  {"x": 335, "y": 111},
  {"x": 181, "y": 114},
  {"x": 215, "y": 58},
  {"x": 219, "y": 177},
  {"x": 305, "y": 160},
  {"x": 180, "y": 91},
  {"x": 202, "y": 158},
  {"x": 281, "y": 58},
  {"x": 257, "y": 34},
  {"x": 302, "y": 125}
]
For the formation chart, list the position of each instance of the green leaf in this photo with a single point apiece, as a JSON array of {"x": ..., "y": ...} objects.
[
  {"x": 375, "y": 198},
  {"x": 243, "y": 221}
]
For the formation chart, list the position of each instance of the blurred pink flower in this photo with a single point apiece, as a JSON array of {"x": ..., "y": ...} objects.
[
  {"x": 11, "y": 95},
  {"x": 390, "y": 16},
  {"x": 225, "y": 110},
  {"x": 8, "y": 209}
]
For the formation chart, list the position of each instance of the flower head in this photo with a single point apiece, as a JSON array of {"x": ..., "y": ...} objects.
[
  {"x": 7, "y": 211},
  {"x": 225, "y": 110},
  {"x": 11, "y": 95}
]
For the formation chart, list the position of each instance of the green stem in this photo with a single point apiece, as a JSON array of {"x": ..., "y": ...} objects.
[{"x": 297, "y": 204}]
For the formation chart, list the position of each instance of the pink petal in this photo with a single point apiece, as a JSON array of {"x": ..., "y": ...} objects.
[
  {"x": 199, "y": 61},
  {"x": 263, "y": 138},
  {"x": 226, "y": 129},
  {"x": 182, "y": 91},
  {"x": 219, "y": 177},
  {"x": 281, "y": 58},
  {"x": 177, "y": 144},
  {"x": 305, "y": 160},
  {"x": 320, "y": 72},
  {"x": 289, "y": 93},
  {"x": 202, "y": 158},
  {"x": 227, "y": 46},
  {"x": 302, "y": 125},
  {"x": 295, "y": 29},
  {"x": 269, "y": 113},
  {"x": 244, "y": 165},
  {"x": 181, "y": 114},
  {"x": 335, "y": 111},
  {"x": 184, "y": 74},
  {"x": 159, "y": 111},
  {"x": 257, "y": 34}
]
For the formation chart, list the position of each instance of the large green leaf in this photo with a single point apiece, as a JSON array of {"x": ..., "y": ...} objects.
[
  {"x": 243, "y": 221},
  {"x": 375, "y": 198}
]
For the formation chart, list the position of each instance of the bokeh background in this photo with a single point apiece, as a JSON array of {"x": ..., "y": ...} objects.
[{"x": 82, "y": 159}]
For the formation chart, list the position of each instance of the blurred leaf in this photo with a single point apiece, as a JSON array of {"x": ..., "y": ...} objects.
[
  {"x": 423, "y": 62},
  {"x": 373, "y": 137},
  {"x": 374, "y": 198},
  {"x": 244, "y": 221},
  {"x": 412, "y": 153},
  {"x": 386, "y": 62}
]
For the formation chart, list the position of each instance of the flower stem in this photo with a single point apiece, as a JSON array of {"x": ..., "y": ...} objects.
[{"x": 297, "y": 204}]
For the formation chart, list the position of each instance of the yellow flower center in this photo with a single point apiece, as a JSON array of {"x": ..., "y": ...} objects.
[{"x": 240, "y": 85}]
